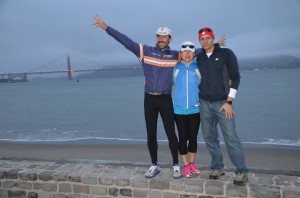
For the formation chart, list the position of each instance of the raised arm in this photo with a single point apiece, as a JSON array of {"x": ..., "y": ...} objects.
[{"x": 123, "y": 39}]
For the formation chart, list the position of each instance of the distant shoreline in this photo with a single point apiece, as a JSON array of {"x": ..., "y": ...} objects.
[
  {"x": 121, "y": 74},
  {"x": 138, "y": 73}
]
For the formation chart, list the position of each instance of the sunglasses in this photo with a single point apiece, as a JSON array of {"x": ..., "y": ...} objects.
[
  {"x": 189, "y": 46},
  {"x": 205, "y": 30}
]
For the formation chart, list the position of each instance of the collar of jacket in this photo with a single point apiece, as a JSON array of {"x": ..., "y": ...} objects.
[
  {"x": 216, "y": 48},
  {"x": 182, "y": 63},
  {"x": 167, "y": 49}
]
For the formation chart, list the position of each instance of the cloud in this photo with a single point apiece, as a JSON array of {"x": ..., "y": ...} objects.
[{"x": 35, "y": 32}]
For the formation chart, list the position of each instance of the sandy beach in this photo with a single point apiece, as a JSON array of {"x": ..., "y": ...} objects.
[{"x": 257, "y": 157}]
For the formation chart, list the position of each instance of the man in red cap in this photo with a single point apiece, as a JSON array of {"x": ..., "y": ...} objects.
[{"x": 217, "y": 66}]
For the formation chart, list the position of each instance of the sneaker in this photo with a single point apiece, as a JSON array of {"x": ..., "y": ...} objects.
[
  {"x": 216, "y": 174},
  {"x": 194, "y": 168},
  {"x": 187, "y": 171},
  {"x": 176, "y": 171},
  {"x": 240, "y": 179},
  {"x": 153, "y": 171}
]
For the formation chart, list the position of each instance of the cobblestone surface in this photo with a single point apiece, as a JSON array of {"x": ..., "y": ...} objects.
[{"x": 40, "y": 179}]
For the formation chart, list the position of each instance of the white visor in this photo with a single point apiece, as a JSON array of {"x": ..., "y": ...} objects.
[{"x": 187, "y": 46}]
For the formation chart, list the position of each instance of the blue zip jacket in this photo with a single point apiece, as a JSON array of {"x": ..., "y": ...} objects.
[
  {"x": 185, "y": 95},
  {"x": 158, "y": 64}
]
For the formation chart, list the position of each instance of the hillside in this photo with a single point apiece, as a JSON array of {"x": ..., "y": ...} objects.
[{"x": 274, "y": 62}]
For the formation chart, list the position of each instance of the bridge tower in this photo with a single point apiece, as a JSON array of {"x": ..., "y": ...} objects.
[{"x": 69, "y": 68}]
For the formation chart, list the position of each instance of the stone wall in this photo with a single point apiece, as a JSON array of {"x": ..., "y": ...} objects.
[{"x": 32, "y": 179}]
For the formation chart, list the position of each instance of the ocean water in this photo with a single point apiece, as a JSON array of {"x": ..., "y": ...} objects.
[{"x": 267, "y": 110}]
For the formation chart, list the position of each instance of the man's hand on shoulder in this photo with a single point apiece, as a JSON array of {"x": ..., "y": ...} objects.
[{"x": 222, "y": 41}]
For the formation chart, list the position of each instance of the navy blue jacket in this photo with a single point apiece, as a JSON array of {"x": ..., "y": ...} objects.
[{"x": 216, "y": 71}]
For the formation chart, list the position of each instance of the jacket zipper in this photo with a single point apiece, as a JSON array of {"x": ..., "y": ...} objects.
[{"x": 187, "y": 88}]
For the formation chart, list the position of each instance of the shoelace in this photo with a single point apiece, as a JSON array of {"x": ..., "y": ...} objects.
[
  {"x": 187, "y": 171},
  {"x": 240, "y": 176},
  {"x": 193, "y": 166},
  {"x": 215, "y": 172},
  {"x": 176, "y": 169},
  {"x": 152, "y": 168}
]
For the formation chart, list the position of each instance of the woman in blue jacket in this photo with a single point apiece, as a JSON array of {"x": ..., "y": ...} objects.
[{"x": 186, "y": 78}]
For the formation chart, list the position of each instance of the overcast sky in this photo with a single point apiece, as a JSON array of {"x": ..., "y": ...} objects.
[{"x": 35, "y": 32}]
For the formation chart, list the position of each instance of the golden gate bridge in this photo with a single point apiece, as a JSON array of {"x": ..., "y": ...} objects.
[{"x": 23, "y": 76}]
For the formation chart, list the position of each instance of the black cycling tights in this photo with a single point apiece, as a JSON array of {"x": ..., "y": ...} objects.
[{"x": 163, "y": 105}]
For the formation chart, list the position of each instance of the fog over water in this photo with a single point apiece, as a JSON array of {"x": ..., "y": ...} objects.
[{"x": 35, "y": 32}]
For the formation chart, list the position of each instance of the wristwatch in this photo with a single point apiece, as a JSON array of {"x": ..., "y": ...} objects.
[{"x": 229, "y": 102}]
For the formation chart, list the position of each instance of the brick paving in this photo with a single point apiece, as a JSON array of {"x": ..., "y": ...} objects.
[{"x": 50, "y": 179}]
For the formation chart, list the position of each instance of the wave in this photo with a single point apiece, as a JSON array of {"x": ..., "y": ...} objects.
[
  {"x": 268, "y": 141},
  {"x": 283, "y": 142},
  {"x": 74, "y": 139}
]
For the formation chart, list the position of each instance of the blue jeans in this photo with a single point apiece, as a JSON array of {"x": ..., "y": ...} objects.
[{"x": 210, "y": 117}]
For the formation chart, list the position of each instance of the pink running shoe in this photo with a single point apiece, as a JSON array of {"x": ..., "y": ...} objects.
[
  {"x": 194, "y": 168},
  {"x": 187, "y": 171}
]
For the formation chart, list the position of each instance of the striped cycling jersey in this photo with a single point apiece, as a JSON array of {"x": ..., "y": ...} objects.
[{"x": 158, "y": 64}]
